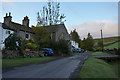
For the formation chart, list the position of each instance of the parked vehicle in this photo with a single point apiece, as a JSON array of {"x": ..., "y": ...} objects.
[
  {"x": 48, "y": 52},
  {"x": 82, "y": 50},
  {"x": 76, "y": 50}
]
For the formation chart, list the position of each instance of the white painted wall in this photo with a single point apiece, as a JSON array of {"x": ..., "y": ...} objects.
[
  {"x": 73, "y": 43},
  {"x": 0, "y": 34},
  {"x": 3, "y": 36}
]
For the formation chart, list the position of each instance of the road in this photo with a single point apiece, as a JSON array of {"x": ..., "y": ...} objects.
[{"x": 61, "y": 68}]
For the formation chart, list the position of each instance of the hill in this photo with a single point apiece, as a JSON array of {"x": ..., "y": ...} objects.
[{"x": 108, "y": 40}]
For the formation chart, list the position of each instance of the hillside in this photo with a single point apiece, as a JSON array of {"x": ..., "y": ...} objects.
[{"x": 108, "y": 40}]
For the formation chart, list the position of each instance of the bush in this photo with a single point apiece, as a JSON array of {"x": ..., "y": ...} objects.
[
  {"x": 31, "y": 46},
  {"x": 60, "y": 47},
  {"x": 98, "y": 49}
]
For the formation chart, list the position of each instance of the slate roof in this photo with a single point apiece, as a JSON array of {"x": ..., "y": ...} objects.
[
  {"x": 55, "y": 28},
  {"x": 15, "y": 26}
]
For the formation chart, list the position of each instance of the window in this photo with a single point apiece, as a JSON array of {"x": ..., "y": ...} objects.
[
  {"x": 7, "y": 32},
  {"x": 27, "y": 36}
]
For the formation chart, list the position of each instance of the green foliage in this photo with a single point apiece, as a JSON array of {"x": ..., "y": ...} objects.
[
  {"x": 88, "y": 43},
  {"x": 98, "y": 49},
  {"x": 75, "y": 37},
  {"x": 60, "y": 47},
  {"x": 50, "y": 15},
  {"x": 13, "y": 42},
  {"x": 31, "y": 46},
  {"x": 99, "y": 43},
  {"x": 42, "y": 36}
]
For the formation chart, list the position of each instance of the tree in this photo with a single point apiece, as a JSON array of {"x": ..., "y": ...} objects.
[
  {"x": 88, "y": 43},
  {"x": 50, "y": 15},
  {"x": 60, "y": 47},
  {"x": 42, "y": 36},
  {"x": 13, "y": 42},
  {"x": 75, "y": 37}
]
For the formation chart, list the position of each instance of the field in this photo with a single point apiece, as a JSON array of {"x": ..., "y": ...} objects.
[
  {"x": 100, "y": 54},
  {"x": 108, "y": 40},
  {"x": 23, "y": 61},
  {"x": 112, "y": 46}
]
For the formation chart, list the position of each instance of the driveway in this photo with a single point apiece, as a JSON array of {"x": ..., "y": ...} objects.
[{"x": 61, "y": 68}]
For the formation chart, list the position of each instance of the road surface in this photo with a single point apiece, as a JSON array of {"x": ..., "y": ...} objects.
[{"x": 61, "y": 68}]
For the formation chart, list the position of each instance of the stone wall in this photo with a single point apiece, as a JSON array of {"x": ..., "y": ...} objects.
[
  {"x": 10, "y": 54},
  {"x": 14, "y": 54}
]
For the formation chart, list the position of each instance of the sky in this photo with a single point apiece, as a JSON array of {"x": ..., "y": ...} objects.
[{"x": 85, "y": 17}]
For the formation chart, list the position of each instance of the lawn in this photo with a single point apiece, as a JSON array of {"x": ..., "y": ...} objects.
[
  {"x": 112, "y": 46},
  {"x": 96, "y": 68},
  {"x": 100, "y": 54},
  {"x": 23, "y": 61}
]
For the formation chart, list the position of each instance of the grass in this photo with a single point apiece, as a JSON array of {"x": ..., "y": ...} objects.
[
  {"x": 100, "y": 54},
  {"x": 115, "y": 66},
  {"x": 23, "y": 61},
  {"x": 96, "y": 68},
  {"x": 112, "y": 46},
  {"x": 108, "y": 40}
]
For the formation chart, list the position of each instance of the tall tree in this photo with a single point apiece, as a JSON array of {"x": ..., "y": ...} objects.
[
  {"x": 88, "y": 43},
  {"x": 75, "y": 37},
  {"x": 50, "y": 15}
]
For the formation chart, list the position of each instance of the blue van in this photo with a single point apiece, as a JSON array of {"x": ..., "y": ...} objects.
[{"x": 48, "y": 51}]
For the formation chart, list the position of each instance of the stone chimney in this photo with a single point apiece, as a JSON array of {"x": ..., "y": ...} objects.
[
  {"x": 25, "y": 21},
  {"x": 7, "y": 19}
]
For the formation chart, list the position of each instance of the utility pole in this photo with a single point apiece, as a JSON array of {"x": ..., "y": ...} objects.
[{"x": 102, "y": 41}]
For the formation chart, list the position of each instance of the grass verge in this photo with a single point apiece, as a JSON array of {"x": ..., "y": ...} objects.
[
  {"x": 96, "y": 68},
  {"x": 116, "y": 67},
  {"x": 100, "y": 54},
  {"x": 23, "y": 61}
]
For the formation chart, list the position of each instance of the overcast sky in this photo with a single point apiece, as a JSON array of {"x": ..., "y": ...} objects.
[{"x": 83, "y": 16}]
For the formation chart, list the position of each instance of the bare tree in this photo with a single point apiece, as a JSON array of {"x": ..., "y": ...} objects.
[{"x": 50, "y": 15}]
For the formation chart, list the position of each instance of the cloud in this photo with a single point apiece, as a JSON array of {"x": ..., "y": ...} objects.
[{"x": 109, "y": 28}]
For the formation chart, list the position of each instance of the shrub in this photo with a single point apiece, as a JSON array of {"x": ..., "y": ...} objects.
[
  {"x": 99, "y": 49},
  {"x": 60, "y": 47},
  {"x": 31, "y": 46},
  {"x": 13, "y": 42}
]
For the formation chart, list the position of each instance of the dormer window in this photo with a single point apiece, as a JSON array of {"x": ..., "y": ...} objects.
[{"x": 7, "y": 32}]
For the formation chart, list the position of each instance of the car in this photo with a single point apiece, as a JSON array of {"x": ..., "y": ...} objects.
[
  {"x": 82, "y": 50},
  {"x": 76, "y": 50},
  {"x": 48, "y": 52}
]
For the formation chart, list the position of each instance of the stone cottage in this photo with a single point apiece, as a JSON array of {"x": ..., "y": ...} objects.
[
  {"x": 58, "y": 32},
  {"x": 23, "y": 30},
  {"x": 8, "y": 27}
]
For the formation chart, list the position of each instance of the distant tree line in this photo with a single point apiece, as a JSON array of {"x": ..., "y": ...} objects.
[{"x": 86, "y": 43}]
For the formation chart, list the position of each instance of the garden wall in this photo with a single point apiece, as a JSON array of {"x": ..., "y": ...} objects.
[{"x": 14, "y": 54}]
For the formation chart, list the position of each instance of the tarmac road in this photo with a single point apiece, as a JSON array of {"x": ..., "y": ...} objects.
[{"x": 61, "y": 68}]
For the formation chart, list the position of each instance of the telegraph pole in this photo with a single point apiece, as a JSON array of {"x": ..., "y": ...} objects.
[{"x": 102, "y": 41}]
